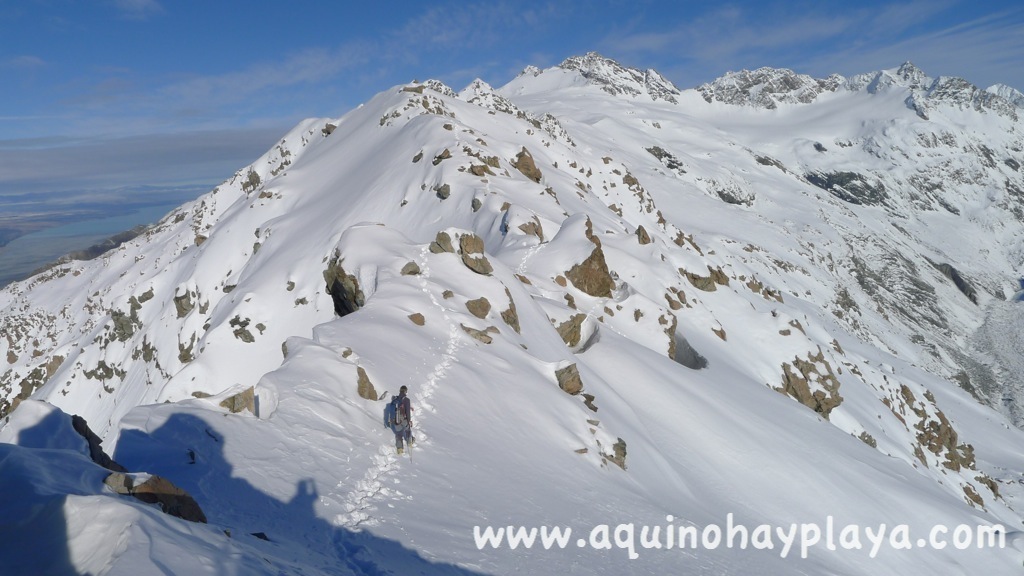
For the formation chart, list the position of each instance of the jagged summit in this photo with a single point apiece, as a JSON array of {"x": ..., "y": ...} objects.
[
  {"x": 615, "y": 78},
  {"x": 767, "y": 88}
]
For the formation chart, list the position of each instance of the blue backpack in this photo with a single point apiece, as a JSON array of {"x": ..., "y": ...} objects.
[{"x": 392, "y": 414}]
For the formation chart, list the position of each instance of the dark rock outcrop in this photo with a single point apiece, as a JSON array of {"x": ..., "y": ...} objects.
[
  {"x": 343, "y": 288},
  {"x": 158, "y": 490}
]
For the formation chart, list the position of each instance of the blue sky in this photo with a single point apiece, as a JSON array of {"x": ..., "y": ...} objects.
[{"x": 114, "y": 93}]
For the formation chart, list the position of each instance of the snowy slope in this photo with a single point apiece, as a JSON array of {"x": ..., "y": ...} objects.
[{"x": 692, "y": 253}]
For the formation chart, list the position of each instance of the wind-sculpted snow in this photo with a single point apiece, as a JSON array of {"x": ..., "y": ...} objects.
[{"x": 612, "y": 302}]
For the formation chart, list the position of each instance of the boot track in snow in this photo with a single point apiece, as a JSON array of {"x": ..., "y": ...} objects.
[{"x": 360, "y": 504}]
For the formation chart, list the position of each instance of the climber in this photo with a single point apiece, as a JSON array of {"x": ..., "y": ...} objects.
[{"x": 402, "y": 419}]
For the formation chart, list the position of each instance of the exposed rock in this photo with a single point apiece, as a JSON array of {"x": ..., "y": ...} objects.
[
  {"x": 96, "y": 453},
  {"x": 962, "y": 284},
  {"x": 667, "y": 158},
  {"x": 479, "y": 307},
  {"x": 417, "y": 319},
  {"x": 618, "y": 455},
  {"x": 972, "y": 496},
  {"x": 684, "y": 353},
  {"x": 411, "y": 269},
  {"x": 569, "y": 379},
  {"x": 241, "y": 326},
  {"x": 868, "y": 439},
  {"x": 158, "y": 490},
  {"x": 251, "y": 182},
  {"x": 850, "y": 187},
  {"x": 343, "y": 288},
  {"x": 525, "y": 164},
  {"x": 476, "y": 204},
  {"x": 480, "y": 335},
  {"x": 533, "y": 228},
  {"x": 617, "y": 79},
  {"x": 707, "y": 283},
  {"x": 244, "y": 400},
  {"x": 480, "y": 170},
  {"x": 364, "y": 386},
  {"x": 446, "y": 154},
  {"x": 798, "y": 383},
  {"x": 472, "y": 248},
  {"x": 183, "y": 304},
  {"x": 443, "y": 191},
  {"x": 592, "y": 275},
  {"x": 442, "y": 243},
  {"x": 642, "y": 235},
  {"x": 510, "y": 316},
  {"x": 571, "y": 330}
]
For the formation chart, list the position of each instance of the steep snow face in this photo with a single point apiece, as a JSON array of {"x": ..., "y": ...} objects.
[{"x": 610, "y": 307}]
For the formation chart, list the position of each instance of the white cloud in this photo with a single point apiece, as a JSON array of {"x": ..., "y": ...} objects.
[
  {"x": 139, "y": 9},
  {"x": 58, "y": 163},
  {"x": 822, "y": 40},
  {"x": 23, "y": 62}
]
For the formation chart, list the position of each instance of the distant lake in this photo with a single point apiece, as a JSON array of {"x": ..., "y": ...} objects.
[{"x": 32, "y": 251}]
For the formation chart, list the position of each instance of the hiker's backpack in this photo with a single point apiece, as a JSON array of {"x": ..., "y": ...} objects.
[
  {"x": 390, "y": 412},
  {"x": 401, "y": 418}
]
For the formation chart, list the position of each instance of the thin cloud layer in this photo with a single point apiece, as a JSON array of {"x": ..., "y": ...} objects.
[
  {"x": 173, "y": 74},
  {"x": 139, "y": 9}
]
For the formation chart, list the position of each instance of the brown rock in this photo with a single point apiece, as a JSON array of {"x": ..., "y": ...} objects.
[
  {"x": 172, "y": 500},
  {"x": 479, "y": 307},
  {"x": 525, "y": 164},
  {"x": 510, "y": 316},
  {"x": 411, "y": 269},
  {"x": 417, "y": 319},
  {"x": 480, "y": 170},
  {"x": 618, "y": 455},
  {"x": 569, "y": 379},
  {"x": 642, "y": 235},
  {"x": 472, "y": 248},
  {"x": 480, "y": 335},
  {"x": 442, "y": 243},
  {"x": 533, "y": 228},
  {"x": 364, "y": 387},
  {"x": 446, "y": 154},
  {"x": 570, "y": 330},
  {"x": 244, "y": 400},
  {"x": 592, "y": 275},
  {"x": 796, "y": 378}
]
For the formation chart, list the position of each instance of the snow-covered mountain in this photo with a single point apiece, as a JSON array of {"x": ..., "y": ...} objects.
[{"x": 770, "y": 301}]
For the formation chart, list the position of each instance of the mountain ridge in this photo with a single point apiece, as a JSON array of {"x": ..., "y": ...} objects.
[{"x": 622, "y": 238}]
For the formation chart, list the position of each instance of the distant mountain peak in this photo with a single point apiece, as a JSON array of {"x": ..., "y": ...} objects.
[
  {"x": 615, "y": 78},
  {"x": 1010, "y": 94},
  {"x": 767, "y": 87}
]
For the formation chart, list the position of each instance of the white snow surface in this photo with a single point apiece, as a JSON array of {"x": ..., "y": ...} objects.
[{"x": 228, "y": 293}]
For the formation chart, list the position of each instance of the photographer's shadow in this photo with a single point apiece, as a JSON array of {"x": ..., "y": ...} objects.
[{"x": 190, "y": 452}]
